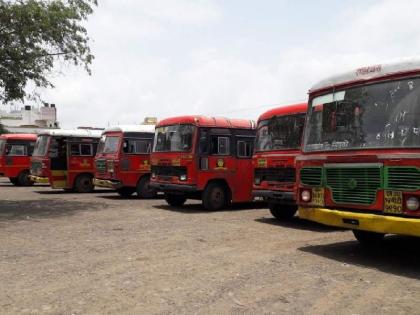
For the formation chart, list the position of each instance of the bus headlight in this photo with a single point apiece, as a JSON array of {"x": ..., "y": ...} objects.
[
  {"x": 412, "y": 204},
  {"x": 183, "y": 177},
  {"x": 257, "y": 180},
  {"x": 305, "y": 195},
  {"x": 153, "y": 175}
]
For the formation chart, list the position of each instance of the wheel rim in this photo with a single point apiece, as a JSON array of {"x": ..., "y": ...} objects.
[{"x": 217, "y": 197}]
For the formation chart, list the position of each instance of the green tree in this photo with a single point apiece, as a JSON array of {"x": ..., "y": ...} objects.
[
  {"x": 34, "y": 34},
  {"x": 2, "y": 130}
]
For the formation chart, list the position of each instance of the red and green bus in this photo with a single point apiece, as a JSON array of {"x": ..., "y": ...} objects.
[
  {"x": 360, "y": 167},
  {"x": 15, "y": 157},
  {"x": 65, "y": 159},
  {"x": 278, "y": 142},
  {"x": 204, "y": 158},
  {"x": 123, "y": 160}
]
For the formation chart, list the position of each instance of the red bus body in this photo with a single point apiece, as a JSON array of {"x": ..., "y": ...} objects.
[
  {"x": 360, "y": 167},
  {"x": 279, "y": 133},
  {"x": 65, "y": 159},
  {"x": 123, "y": 160},
  {"x": 203, "y": 158},
  {"x": 15, "y": 157}
]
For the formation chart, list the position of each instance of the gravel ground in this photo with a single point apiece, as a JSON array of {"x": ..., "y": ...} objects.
[{"x": 65, "y": 253}]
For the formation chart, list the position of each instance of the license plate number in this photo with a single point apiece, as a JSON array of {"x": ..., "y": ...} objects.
[
  {"x": 317, "y": 197},
  {"x": 393, "y": 201}
]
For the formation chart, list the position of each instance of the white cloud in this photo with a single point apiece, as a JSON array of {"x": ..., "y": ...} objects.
[{"x": 138, "y": 73}]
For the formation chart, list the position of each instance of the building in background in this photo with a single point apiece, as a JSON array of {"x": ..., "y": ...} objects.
[{"x": 30, "y": 119}]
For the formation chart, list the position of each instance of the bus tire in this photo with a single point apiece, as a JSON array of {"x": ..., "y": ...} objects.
[
  {"x": 84, "y": 183},
  {"x": 215, "y": 197},
  {"x": 282, "y": 212},
  {"x": 175, "y": 200},
  {"x": 14, "y": 181},
  {"x": 23, "y": 179},
  {"x": 126, "y": 191},
  {"x": 367, "y": 238},
  {"x": 143, "y": 189}
]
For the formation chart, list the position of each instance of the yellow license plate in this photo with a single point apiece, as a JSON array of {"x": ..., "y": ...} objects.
[
  {"x": 393, "y": 201},
  {"x": 317, "y": 197}
]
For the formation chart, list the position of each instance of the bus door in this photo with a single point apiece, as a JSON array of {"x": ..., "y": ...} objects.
[
  {"x": 244, "y": 176},
  {"x": 136, "y": 156},
  {"x": 220, "y": 157},
  {"x": 58, "y": 156},
  {"x": 79, "y": 158}
]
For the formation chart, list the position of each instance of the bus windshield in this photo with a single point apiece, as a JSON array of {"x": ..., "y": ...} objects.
[
  {"x": 2, "y": 146},
  {"x": 41, "y": 146},
  {"x": 381, "y": 115},
  {"x": 109, "y": 144},
  {"x": 280, "y": 132},
  {"x": 174, "y": 138}
]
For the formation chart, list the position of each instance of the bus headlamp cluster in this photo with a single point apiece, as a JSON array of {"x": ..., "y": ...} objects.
[
  {"x": 305, "y": 195},
  {"x": 183, "y": 177},
  {"x": 412, "y": 204},
  {"x": 257, "y": 180}
]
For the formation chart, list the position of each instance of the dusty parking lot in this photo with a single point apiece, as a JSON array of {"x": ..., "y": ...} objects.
[{"x": 64, "y": 253}]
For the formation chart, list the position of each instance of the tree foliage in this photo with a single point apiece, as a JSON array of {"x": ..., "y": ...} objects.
[
  {"x": 2, "y": 129},
  {"x": 36, "y": 33}
]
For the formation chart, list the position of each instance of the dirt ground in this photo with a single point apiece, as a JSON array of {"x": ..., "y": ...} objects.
[{"x": 65, "y": 253}]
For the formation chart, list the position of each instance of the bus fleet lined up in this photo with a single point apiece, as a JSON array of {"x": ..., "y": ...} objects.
[{"x": 349, "y": 158}]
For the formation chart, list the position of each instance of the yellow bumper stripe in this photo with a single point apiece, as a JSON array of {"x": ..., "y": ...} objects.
[
  {"x": 362, "y": 221},
  {"x": 37, "y": 179}
]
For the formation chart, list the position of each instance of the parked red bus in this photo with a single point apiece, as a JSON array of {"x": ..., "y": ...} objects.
[
  {"x": 15, "y": 157},
  {"x": 204, "y": 158},
  {"x": 65, "y": 159},
  {"x": 123, "y": 160},
  {"x": 278, "y": 142},
  {"x": 360, "y": 167}
]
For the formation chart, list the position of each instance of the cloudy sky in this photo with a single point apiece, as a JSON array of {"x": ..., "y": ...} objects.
[{"x": 234, "y": 58}]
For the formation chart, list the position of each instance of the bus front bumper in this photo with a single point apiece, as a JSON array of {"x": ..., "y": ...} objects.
[
  {"x": 39, "y": 180},
  {"x": 173, "y": 188},
  {"x": 362, "y": 221},
  {"x": 283, "y": 197},
  {"x": 105, "y": 183}
]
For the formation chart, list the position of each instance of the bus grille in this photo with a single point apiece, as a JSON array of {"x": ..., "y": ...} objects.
[
  {"x": 354, "y": 185},
  {"x": 169, "y": 171},
  {"x": 402, "y": 178},
  {"x": 276, "y": 174},
  {"x": 311, "y": 176},
  {"x": 100, "y": 166}
]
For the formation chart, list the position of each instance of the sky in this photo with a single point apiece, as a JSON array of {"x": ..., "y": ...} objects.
[{"x": 232, "y": 58}]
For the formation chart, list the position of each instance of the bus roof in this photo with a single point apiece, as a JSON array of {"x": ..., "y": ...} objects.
[
  {"x": 203, "y": 121},
  {"x": 131, "y": 128},
  {"x": 18, "y": 136},
  {"x": 399, "y": 67},
  {"x": 73, "y": 133},
  {"x": 284, "y": 110}
]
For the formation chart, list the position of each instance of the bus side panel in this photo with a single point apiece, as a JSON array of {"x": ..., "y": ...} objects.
[
  {"x": 78, "y": 165},
  {"x": 13, "y": 165},
  {"x": 242, "y": 181},
  {"x": 133, "y": 167}
]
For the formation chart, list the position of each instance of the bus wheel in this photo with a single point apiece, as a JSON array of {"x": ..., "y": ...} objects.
[
  {"x": 83, "y": 184},
  {"x": 175, "y": 200},
  {"x": 126, "y": 191},
  {"x": 143, "y": 189},
  {"x": 23, "y": 179},
  {"x": 14, "y": 181},
  {"x": 368, "y": 238},
  {"x": 282, "y": 212},
  {"x": 215, "y": 197}
]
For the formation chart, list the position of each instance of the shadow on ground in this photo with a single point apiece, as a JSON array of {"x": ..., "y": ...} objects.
[
  {"x": 301, "y": 224},
  {"x": 399, "y": 255},
  {"x": 70, "y": 192},
  {"x": 115, "y": 196},
  {"x": 198, "y": 207},
  {"x": 41, "y": 209}
]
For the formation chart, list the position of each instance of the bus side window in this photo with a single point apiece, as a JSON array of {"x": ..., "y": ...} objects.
[
  {"x": 203, "y": 145},
  {"x": 220, "y": 145},
  {"x": 86, "y": 149},
  {"x": 244, "y": 148},
  {"x": 31, "y": 147}
]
